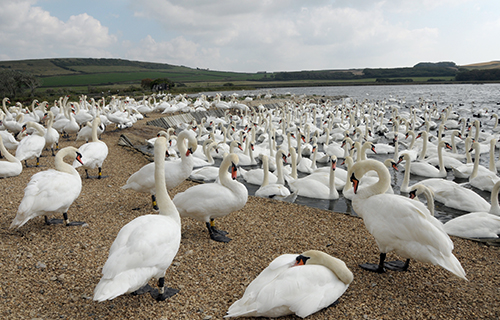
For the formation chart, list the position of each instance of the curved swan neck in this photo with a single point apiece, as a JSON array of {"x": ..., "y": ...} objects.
[
  {"x": 62, "y": 166},
  {"x": 279, "y": 167},
  {"x": 492, "y": 165},
  {"x": 475, "y": 169},
  {"x": 381, "y": 186},
  {"x": 6, "y": 153},
  {"x": 165, "y": 204}
]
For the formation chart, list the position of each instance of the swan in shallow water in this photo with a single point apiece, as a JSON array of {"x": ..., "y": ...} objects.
[
  {"x": 481, "y": 224},
  {"x": 145, "y": 247},
  {"x": 51, "y": 191},
  {"x": 214, "y": 200},
  {"x": 294, "y": 284},
  {"x": 389, "y": 217}
]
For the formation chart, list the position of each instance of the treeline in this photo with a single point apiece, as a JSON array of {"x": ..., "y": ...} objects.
[
  {"x": 478, "y": 75},
  {"x": 422, "y": 69}
]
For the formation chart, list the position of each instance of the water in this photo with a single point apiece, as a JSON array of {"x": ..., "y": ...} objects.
[{"x": 466, "y": 100}]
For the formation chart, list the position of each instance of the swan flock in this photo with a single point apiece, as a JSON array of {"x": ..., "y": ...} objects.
[{"x": 294, "y": 149}]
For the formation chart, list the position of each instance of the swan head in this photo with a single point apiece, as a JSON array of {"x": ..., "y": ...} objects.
[{"x": 337, "y": 266}]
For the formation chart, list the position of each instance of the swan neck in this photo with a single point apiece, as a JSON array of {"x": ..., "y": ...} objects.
[
  {"x": 6, "y": 153},
  {"x": 62, "y": 166},
  {"x": 165, "y": 204},
  {"x": 265, "y": 182},
  {"x": 495, "y": 207}
]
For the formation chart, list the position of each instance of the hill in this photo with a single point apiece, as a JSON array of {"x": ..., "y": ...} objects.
[{"x": 483, "y": 65}]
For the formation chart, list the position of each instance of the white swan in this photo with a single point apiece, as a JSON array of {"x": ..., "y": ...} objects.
[
  {"x": 51, "y": 191},
  {"x": 155, "y": 238},
  {"x": 93, "y": 153},
  {"x": 176, "y": 171},
  {"x": 481, "y": 179},
  {"x": 389, "y": 217},
  {"x": 11, "y": 167},
  {"x": 425, "y": 169},
  {"x": 481, "y": 224},
  {"x": 274, "y": 190},
  {"x": 31, "y": 146},
  {"x": 214, "y": 200},
  {"x": 51, "y": 135},
  {"x": 294, "y": 284},
  {"x": 315, "y": 188}
]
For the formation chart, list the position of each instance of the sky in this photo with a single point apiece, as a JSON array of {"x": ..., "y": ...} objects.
[{"x": 254, "y": 35}]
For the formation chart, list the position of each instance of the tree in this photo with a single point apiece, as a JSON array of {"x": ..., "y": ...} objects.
[{"x": 13, "y": 83}]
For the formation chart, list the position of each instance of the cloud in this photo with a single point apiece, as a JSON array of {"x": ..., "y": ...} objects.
[{"x": 30, "y": 32}]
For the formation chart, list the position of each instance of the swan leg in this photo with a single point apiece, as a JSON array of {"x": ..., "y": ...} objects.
[
  {"x": 374, "y": 267},
  {"x": 162, "y": 293},
  {"x": 87, "y": 173},
  {"x": 397, "y": 265},
  {"x": 52, "y": 221},
  {"x": 155, "y": 205},
  {"x": 52, "y": 148},
  {"x": 37, "y": 161},
  {"x": 73, "y": 223},
  {"x": 99, "y": 175},
  {"x": 216, "y": 235}
]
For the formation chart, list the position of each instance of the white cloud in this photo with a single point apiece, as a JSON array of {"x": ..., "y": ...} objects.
[{"x": 30, "y": 32}]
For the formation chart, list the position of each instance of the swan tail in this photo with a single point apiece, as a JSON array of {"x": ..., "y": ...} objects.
[
  {"x": 125, "y": 282},
  {"x": 452, "y": 264}
]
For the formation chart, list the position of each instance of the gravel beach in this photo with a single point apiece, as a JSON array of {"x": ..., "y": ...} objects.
[{"x": 49, "y": 272}]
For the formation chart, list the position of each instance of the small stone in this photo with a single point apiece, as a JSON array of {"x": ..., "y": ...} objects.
[
  {"x": 61, "y": 277},
  {"x": 40, "y": 265}
]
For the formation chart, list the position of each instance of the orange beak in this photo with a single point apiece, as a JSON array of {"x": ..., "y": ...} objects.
[{"x": 234, "y": 172}]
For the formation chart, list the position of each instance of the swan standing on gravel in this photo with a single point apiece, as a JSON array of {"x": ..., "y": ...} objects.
[
  {"x": 205, "y": 202},
  {"x": 51, "y": 135},
  {"x": 51, "y": 191},
  {"x": 93, "y": 153},
  {"x": 389, "y": 218},
  {"x": 31, "y": 146},
  {"x": 176, "y": 171},
  {"x": 12, "y": 166},
  {"x": 294, "y": 284},
  {"x": 482, "y": 224},
  {"x": 145, "y": 247}
]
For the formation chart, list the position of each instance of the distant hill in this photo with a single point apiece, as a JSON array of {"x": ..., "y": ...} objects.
[{"x": 483, "y": 65}]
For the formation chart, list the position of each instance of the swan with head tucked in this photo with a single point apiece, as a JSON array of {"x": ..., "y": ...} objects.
[
  {"x": 208, "y": 201},
  {"x": 51, "y": 191},
  {"x": 481, "y": 224},
  {"x": 145, "y": 247},
  {"x": 400, "y": 224},
  {"x": 11, "y": 167},
  {"x": 93, "y": 153},
  {"x": 294, "y": 284},
  {"x": 176, "y": 171}
]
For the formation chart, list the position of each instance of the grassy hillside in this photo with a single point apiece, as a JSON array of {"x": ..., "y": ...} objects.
[{"x": 483, "y": 65}]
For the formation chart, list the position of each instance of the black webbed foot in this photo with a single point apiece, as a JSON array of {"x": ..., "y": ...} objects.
[{"x": 167, "y": 293}]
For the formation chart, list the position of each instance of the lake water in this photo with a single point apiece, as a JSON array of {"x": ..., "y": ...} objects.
[{"x": 466, "y": 100}]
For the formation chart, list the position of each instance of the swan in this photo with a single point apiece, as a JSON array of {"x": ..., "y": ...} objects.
[
  {"x": 479, "y": 224},
  {"x": 425, "y": 169},
  {"x": 294, "y": 284},
  {"x": 51, "y": 191},
  {"x": 51, "y": 135},
  {"x": 145, "y": 247},
  {"x": 481, "y": 179},
  {"x": 8, "y": 140},
  {"x": 214, "y": 200},
  {"x": 31, "y": 146},
  {"x": 418, "y": 189},
  {"x": 274, "y": 190},
  {"x": 12, "y": 166},
  {"x": 400, "y": 224},
  {"x": 207, "y": 148},
  {"x": 94, "y": 153},
  {"x": 176, "y": 171},
  {"x": 315, "y": 188}
]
